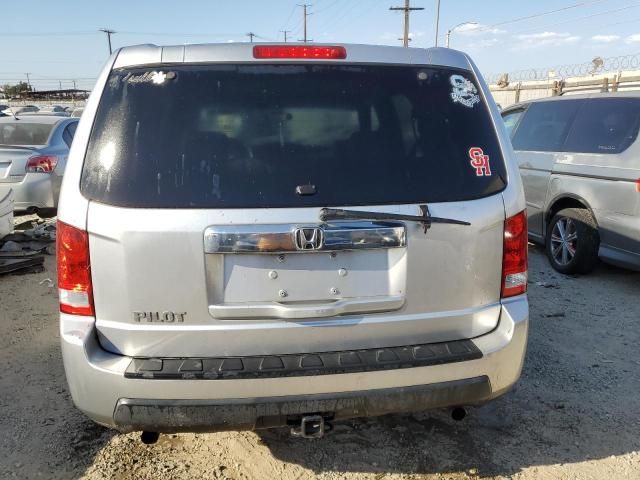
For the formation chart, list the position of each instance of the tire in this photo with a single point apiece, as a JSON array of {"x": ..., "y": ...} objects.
[
  {"x": 47, "y": 212},
  {"x": 578, "y": 253}
]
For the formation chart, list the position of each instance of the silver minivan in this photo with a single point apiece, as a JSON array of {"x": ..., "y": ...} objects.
[
  {"x": 580, "y": 163},
  {"x": 252, "y": 236}
]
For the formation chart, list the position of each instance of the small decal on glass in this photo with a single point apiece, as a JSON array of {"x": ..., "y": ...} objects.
[
  {"x": 463, "y": 91},
  {"x": 480, "y": 162},
  {"x": 157, "y": 78}
]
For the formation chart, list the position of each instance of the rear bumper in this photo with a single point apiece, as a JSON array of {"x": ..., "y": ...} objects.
[
  {"x": 256, "y": 413},
  {"x": 101, "y": 390},
  {"x": 35, "y": 190}
]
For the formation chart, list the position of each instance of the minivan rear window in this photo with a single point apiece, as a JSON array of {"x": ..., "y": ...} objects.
[
  {"x": 246, "y": 136},
  {"x": 604, "y": 125}
]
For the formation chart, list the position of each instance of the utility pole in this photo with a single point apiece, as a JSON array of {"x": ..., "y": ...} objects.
[
  {"x": 304, "y": 17},
  {"x": 59, "y": 84},
  {"x": 74, "y": 85},
  {"x": 250, "y": 35},
  {"x": 109, "y": 33},
  {"x": 28, "y": 82},
  {"x": 407, "y": 9},
  {"x": 437, "y": 21},
  {"x": 285, "y": 34}
]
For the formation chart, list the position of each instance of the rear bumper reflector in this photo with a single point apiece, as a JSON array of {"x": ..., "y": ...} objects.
[{"x": 326, "y": 363}]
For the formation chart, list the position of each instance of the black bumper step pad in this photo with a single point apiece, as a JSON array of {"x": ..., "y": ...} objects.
[{"x": 307, "y": 364}]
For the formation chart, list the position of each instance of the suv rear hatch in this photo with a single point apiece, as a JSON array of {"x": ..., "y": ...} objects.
[{"x": 207, "y": 184}]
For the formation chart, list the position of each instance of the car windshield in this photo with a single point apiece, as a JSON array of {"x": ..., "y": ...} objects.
[
  {"x": 242, "y": 136},
  {"x": 24, "y": 134}
]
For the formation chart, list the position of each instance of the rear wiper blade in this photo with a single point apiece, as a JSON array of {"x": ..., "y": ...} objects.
[{"x": 327, "y": 214}]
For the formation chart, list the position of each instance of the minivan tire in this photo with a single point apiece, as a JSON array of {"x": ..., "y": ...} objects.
[{"x": 581, "y": 239}]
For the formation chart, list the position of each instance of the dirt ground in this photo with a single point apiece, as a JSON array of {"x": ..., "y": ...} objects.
[{"x": 574, "y": 415}]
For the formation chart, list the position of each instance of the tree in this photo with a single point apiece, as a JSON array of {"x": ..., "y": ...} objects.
[{"x": 17, "y": 89}]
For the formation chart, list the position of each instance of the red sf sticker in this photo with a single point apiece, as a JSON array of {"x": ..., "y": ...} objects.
[{"x": 480, "y": 162}]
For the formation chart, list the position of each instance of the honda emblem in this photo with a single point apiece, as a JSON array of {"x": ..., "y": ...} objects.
[{"x": 309, "y": 238}]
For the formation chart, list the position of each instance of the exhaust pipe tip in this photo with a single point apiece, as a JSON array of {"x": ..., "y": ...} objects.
[
  {"x": 458, "y": 413},
  {"x": 149, "y": 438}
]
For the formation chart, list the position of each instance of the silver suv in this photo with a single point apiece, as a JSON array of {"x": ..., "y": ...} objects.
[
  {"x": 266, "y": 235},
  {"x": 579, "y": 157}
]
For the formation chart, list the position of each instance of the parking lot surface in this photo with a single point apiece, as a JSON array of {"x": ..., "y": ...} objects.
[{"x": 575, "y": 414}]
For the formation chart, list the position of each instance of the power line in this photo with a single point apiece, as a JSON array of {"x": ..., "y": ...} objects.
[
  {"x": 79, "y": 33},
  {"x": 260, "y": 37},
  {"x": 586, "y": 17},
  {"x": 286, "y": 24},
  {"x": 341, "y": 16},
  {"x": 320, "y": 26},
  {"x": 536, "y": 15},
  {"x": 45, "y": 34},
  {"x": 407, "y": 9},
  {"x": 335, "y": 2},
  {"x": 182, "y": 34},
  {"x": 250, "y": 35},
  {"x": 620, "y": 23}
]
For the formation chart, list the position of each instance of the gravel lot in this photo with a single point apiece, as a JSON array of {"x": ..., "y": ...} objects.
[{"x": 574, "y": 414}]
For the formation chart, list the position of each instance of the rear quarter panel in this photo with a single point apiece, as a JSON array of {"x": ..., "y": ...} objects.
[{"x": 535, "y": 169}]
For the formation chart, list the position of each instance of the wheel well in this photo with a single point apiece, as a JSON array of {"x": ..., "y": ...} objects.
[{"x": 561, "y": 204}]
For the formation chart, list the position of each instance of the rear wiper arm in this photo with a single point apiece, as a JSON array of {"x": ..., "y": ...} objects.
[{"x": 327, "y": 214}]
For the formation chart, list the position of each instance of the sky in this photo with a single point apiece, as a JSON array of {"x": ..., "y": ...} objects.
[{"x": 59, "y": 42}]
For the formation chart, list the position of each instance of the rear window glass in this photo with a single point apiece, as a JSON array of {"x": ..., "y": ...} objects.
[
  {"x": 242, "y": 136},
  {"x": 21, "y": 133},
  {"x": 545, "y": 125},
  {"x": 604, "y": 125}
]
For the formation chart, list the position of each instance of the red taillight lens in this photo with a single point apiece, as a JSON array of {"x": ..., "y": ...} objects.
[
  {"x": 299, "y": 51},
  {"x": 74, "y": 274},
  {"x": 42, "y": 163},
  {"x": 514, "y": 255},
  {"x": 638, "y": 185}
]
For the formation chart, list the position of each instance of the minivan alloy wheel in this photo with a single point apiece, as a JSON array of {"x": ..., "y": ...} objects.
[
  {"x": 564, "y": 237},
  {"x": 572, "y": 241}
]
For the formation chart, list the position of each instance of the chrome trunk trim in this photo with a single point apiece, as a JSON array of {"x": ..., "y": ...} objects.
[{"x": 286, "y": 238}]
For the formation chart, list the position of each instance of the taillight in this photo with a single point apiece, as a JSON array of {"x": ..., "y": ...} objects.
[
  {"x": 514, "y": 255},
  {"x": 299, "y": 51},
  {"x": 42, "y": 163},
  {"x": 638, "y": 185},
  {"x": 74, "y": 274}
]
